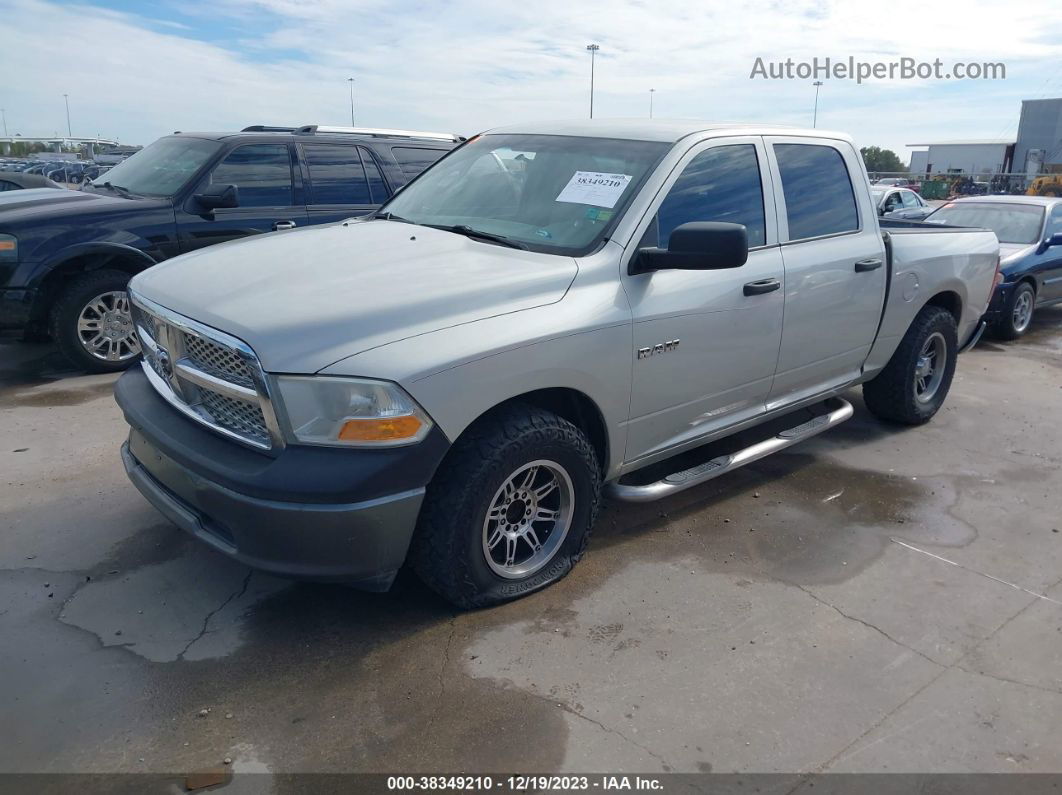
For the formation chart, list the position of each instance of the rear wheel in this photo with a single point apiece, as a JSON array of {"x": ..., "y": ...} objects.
[
  {"x": 913, "y": 385},
  {"x": 1018, "y": 313},
  {"x": 92, "y": 324},
  {"x": 510, "y": 509}
]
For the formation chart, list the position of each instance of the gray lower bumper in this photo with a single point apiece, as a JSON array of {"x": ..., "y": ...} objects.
[{"x": 363, "y": 544}]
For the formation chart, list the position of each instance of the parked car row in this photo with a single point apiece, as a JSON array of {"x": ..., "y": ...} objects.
[{"x": 72, "y": 172}]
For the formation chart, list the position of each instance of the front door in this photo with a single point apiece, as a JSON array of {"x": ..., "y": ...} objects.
[
  {"x": 705, "y": 345},
  {"x": 834, "y": 266},
  {"x": 262, "y": 174},
  {"x": 1052, "y": 256}
]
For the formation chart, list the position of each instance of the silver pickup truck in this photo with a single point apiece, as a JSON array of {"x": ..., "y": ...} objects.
[{"x": 547, "y": 313}]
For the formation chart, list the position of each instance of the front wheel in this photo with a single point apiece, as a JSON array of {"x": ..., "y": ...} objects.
[
  {"x": 510, "y": 509},
  {"x": 92, "y": 324},
  {"x": 1018, "y": 313},
  {"x": 913, "y": 385}
]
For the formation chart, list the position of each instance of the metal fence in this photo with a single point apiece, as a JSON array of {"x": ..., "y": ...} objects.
[{"x": 951, "y": 185}]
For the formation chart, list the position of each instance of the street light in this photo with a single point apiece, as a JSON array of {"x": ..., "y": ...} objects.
[
  {"x": 592, "y": 49},
  {"x": 3, "y": 113},
  {"x": 651, "y": 92},
  {"x": 815, "y": 116},
  {"x": 66, "y": 99},
  {"x": 351, "y": 81}
]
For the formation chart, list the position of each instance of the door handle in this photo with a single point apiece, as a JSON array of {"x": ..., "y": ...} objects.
[
  {"x": 762, "y": 286},
  {"x": 865, "y": 265},
  {"x": 279, "y": 225}
]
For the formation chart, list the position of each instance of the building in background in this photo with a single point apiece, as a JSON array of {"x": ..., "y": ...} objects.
[
  {"x": 985, "y": 157},
  {"x": 1039, "y": 146}
]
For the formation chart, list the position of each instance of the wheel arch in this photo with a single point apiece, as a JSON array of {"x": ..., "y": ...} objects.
[
  {"x": 950, "y": 301},
  {"x": 571, "y": 404},
  {"x": 79, "y": 259}
]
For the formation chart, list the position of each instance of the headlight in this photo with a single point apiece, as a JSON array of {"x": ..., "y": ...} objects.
[
  {"x": 8, "y": 248},
  {"x": 351, "y": 412}
]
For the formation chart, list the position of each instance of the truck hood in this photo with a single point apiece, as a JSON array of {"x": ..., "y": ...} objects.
[
  {"x": 33, "y": 205},
  {"x": 304, "y": 299}
]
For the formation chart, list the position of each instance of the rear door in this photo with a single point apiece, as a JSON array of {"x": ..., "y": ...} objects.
[
  {"x": 266, "y": 186},
  {"x": 834, "y": 265},
  {"x": 338, "y": 186}
]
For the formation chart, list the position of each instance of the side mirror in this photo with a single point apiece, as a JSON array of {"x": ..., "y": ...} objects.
[
  {"x": 696, "y": 246},
  {"x": 215, "y": 197},
  {"x": 1054, "y": 240}
]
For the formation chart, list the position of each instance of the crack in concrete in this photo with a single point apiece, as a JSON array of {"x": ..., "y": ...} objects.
[
  {"x": 821, "y": 768},
  {"x": 206, "y": 621},
  {"x": 867, "y": 624},
  {"x": 998, "y": 678},
  {"x": 602, "y": 726},
  {"x": 441, "y": 677}
]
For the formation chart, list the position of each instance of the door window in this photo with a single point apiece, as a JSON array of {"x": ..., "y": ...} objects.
[
  {"x": 819, "y": 199},
  {"x": 1054, "y": 222},
  {"x": 261, "y": 173},
  {"x": 336, "y": 174},
  {"x": 377, "y": 187},
  {"x": 412, "y": 159},
  {"x": 910, "y": 201},
  {"x": 720, "y": 184},
  {"x": 892, "y": 203}
]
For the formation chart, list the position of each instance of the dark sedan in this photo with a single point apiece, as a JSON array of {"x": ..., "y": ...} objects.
[{"x": 1029, "y": 229}]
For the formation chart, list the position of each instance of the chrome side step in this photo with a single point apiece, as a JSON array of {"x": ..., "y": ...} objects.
[{"x": 840, "y": 410}]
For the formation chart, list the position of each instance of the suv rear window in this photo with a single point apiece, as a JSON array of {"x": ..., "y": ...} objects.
[
  {"x": 336, "y": 174},
  {"x": 818, "y": 192},
  {"x": 413, "y": 160}
]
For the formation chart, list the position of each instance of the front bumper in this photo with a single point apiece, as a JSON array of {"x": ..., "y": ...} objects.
[{"x": 328, "y": 514}]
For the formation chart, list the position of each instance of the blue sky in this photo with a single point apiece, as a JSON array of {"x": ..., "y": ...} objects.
[{"x": 137, "y": 70}]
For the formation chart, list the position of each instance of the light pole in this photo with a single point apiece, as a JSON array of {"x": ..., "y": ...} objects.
[
  {"x": 351, "y": 81},
  {"x": 3, "y": 113},
  {"x": 592, "y": 49},
  {"x": 66, "y": 99},
  {"x": 815, "y": 116},
  {"x": 651, "y": 92}
]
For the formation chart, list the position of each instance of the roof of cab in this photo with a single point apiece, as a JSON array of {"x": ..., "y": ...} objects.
[
  {"x": 665, "y": 130},
  {"x": 1043, "y": 201}
]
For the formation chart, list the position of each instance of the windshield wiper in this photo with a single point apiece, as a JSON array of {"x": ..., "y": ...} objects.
[
  {"x": 478, "y": 234},
  {"x": 389, "y": 216},
  {"x": 116, "y": 188}
]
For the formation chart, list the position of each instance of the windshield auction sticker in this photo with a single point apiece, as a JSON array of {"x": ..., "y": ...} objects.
[{"x": 593, "y": 187}]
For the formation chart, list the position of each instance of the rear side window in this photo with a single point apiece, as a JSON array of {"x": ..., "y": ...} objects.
[
  {"x": 377, "y": 187},
  {"x": 336, "y": 174},
  {"x": 260, "y": 172},
  {"x": 818, "y": 191},
  {"x": 719, "y": 184},
  {"x": 412, "y": 160}
]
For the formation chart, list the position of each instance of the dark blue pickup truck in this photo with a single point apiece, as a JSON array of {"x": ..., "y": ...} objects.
[{"x": 66, "y": 256}]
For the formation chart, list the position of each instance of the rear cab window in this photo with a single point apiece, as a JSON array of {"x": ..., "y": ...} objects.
[{"x": 816, "y": 185}]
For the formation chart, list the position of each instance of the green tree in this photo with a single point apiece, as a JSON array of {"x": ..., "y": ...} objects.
[{"x": 878, "y": 159}]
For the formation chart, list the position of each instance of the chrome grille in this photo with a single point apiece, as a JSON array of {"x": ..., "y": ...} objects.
[
  {"x": 217, "y": 360},
  {"x": 238, "y": 416},
  {"x": 208, "y": 375}
]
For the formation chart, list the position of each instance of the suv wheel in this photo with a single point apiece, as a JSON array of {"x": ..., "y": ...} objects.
[
  {"x": 510, "y": 510},
  {"x": 92, "y": 324},
  {"x": 913, "y": 385},
  {"x": 1018, "y": 313}
]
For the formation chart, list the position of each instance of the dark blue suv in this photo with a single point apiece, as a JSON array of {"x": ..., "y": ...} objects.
[{"x": 66, "y": 256}]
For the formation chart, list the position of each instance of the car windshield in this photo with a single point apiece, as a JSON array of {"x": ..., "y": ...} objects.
[
  {"x": 1012, "y": 223},
  {"x": 549, "y": 193},
  {"x": 162, "y": 168}
]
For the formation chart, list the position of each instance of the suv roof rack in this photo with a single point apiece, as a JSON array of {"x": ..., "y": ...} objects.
[
  {"x": 376, "y": 132},
  {"x": 267, "y": 128}
]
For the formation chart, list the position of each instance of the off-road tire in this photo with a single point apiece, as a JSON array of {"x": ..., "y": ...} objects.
[
  {"x": 72, "y": 299},
  {"x": 447, "y": 551},
  {"x": 890, "y": 395},
  {"x": 1004, "y": 328}
]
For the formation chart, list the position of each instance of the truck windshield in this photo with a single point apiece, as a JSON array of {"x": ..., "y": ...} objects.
[
  {"x": 548, "y": 193},
  {"x": 1012, "y": 223},
  {"x": 162, "y": 168}
]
